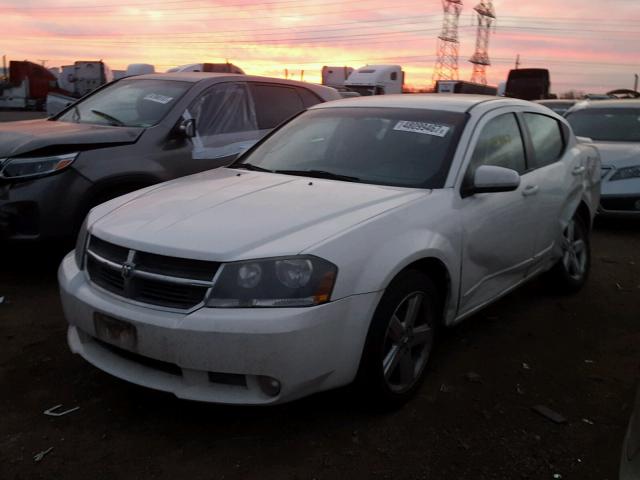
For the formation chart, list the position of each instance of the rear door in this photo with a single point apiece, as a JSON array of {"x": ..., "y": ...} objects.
[
  {"x": 498, "y": 228},
  {"x": 275, "y": 103},
  {"x": 557, "y": 178}
]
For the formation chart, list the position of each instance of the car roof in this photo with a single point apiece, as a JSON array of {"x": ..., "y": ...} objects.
[
  {"x": 328, "y": 93},
  {"x": 429, "y": 101},
  {"x": 620, "y": 103}
]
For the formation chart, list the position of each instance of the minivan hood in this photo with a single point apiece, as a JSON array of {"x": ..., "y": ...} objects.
[
  {"x": 618, "y": 154},
  {"x": 229, "y": 214},
  {"x": 17, "y": 138}
]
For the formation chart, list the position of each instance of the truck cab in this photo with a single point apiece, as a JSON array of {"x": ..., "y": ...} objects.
[{"x": 376, "y": 80}]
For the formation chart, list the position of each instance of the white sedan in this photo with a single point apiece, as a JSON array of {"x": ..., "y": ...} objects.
[
  {"x": 333, "y": 250},
  {"x": 614, "y": 128}
]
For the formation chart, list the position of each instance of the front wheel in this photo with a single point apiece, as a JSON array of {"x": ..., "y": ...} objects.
[
  {"x": 399, "y": 341},
  {"x": 572, "y": 270}
]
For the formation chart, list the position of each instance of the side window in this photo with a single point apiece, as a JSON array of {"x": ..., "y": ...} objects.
[
  {"x": 274, "y": 104},
  {"x": 500, "y": 144},
  {"x": 309, "y": 99},
  {"x": 546, "y": 136},
  {"x": 394, "y": 76},
  {"x": 224, "y": 108}
]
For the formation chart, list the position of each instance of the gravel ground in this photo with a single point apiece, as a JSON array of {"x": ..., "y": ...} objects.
[{"x": 576, "y": 355}]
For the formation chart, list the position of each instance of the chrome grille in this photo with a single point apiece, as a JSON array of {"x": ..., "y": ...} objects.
[{"x": 170, "y": 282}]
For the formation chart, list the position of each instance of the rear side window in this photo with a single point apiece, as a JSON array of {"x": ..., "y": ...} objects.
[
  {"x": 500, "y": 144},
  {"x": 546, "y": 136},
  {"x": 274, "y": 104},
  {"x": 309, "y": 99}
]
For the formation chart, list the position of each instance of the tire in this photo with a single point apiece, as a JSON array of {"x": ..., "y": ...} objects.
[
  {"x": 570, "y": 273},
  {"x": 399, "y": 341}
]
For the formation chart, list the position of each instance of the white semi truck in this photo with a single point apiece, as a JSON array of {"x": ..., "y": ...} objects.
[{"x": 376, "y": 80}]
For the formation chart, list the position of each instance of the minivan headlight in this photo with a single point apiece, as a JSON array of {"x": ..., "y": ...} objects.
[
  {"x": 15, "y": 168},
  {"x": 626, "y": 173},
  {"x": 299, "y": 281}
]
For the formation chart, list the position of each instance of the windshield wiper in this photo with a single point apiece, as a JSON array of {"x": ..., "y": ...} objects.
[
  {"x": 319, "y": 174},
  {"x": 250, "y": 166},
  {"x": 112, "y": 119}
]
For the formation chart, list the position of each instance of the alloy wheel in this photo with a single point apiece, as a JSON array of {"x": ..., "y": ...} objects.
[
  {"x": 574, "y": 247},
  {"x": 408, "y": 343}
]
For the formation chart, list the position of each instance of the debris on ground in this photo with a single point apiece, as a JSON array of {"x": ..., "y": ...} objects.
[
  {"x": 53, "y": 413},
  {"x": 557, "y": 476},
  {"x": 526, "y": 366},
  {"x": 446, "y": 388},
  {"x": 39, "y": 456},
  {"x": 473, "y": 377},
  {"x": 519, "y": 389},
  {"x": 2, "y": 300},
  {"x": 589, "y": 361},
  {"x": 549, "y": 414},
  {"x": 587, "y": 421}
]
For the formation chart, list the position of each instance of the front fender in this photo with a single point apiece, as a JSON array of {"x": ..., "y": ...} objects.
[{"x": 371, "y": 254}]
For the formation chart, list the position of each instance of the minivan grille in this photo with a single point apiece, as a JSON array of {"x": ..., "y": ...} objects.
[{"x": 149, "y": 278}]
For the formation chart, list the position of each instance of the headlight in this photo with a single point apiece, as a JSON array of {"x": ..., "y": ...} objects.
[
  {"x": 81, "y": 243},
  {"x": 626, "y": 173},
  {"x": 300, "y": 281},
  {"x": 36, "y": 166}
]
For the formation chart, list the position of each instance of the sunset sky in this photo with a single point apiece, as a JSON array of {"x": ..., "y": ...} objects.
[{"x": 588, "y": 45}]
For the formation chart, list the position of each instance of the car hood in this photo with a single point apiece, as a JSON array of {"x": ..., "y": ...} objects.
[
  {"x": 229, "y": 214},
  {"x": 618, "y": 154},
  {"x": 17, "y": 138}
]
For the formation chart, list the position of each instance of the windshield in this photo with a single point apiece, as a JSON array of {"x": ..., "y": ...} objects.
[
  {"x": 384, "y": 146},
  {"x": 128, "y": 103},
  {"x": 607, "y": 124}
]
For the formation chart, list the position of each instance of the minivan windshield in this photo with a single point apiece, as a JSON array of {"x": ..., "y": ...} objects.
[
  {"x": 383, "y": 146},
  {"x": 128, "y": 103},
  {"x": 607, "y": 124}
]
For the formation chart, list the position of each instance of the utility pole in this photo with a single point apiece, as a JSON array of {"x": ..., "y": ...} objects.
[
  {"x": 635, "y": 84},
  {"x": 43, "y": 62},
  {"x": 5, "y": 74},
  {"x": 480, "y": 59},
  {"x": 448, "y": 44},
  {"x": 518, "y": 62}
]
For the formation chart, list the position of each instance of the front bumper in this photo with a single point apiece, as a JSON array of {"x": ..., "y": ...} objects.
[
  {"x": 620, "y": 197},
  {"x": 42, "y": 208},
  {"x": 220, "y": 355}
]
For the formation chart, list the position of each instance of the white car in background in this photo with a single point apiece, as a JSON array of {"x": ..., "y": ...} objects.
[
  {"x": 614, "y": 128},
  {"x": 333, "y": 250}
]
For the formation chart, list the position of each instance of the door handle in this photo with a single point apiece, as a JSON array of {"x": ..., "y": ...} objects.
[
  {"x": 579, "y": 170},
  {"x": 530, "y": 190}
]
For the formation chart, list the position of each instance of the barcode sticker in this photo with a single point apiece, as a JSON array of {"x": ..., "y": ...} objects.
[
  {"x": 156, "y": 97},
  {"x": 422, "y": 127}
]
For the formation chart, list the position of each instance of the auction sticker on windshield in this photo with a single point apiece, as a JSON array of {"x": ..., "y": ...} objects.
[
  {"x": 422, "y": 127},
  {"x": 156, "y": 97}
]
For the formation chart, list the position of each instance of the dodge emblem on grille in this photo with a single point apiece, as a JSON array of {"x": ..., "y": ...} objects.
[{"x": 127, "y": 270}]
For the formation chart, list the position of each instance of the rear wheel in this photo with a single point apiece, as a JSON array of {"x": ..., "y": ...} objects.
[
  {"x": 400, "y": 340},
  {"x": 572, "y": 270}
]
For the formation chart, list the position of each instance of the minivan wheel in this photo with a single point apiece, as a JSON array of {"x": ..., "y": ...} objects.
[
  {"x": 400, "y": 341},
  {"x": 572, "y": 270}
]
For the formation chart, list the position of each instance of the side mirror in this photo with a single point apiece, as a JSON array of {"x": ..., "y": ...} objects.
[
  {"x": 188, "y": 128},
  {"x": 584, "y": 140},
  {"x": 492, "y": 179}
]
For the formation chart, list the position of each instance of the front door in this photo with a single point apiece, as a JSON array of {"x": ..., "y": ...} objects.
[{"x": 498, "y": 228}]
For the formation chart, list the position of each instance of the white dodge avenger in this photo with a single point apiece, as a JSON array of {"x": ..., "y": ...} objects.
[{"x": 332, "y": 251}]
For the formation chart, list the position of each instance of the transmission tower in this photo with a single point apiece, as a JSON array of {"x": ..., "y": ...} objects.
[
  {"x": 486, "y": 16},
  {"x": 447, "y": 62}
]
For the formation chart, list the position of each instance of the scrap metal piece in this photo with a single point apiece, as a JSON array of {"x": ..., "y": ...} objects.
[
  {"x": 53, "y": 413},
  {"x": 39, "y": 456},
  {"x": 549, "y": 414}
]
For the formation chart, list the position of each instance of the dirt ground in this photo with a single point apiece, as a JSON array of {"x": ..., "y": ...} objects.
[{"x": 577, "y": 355}]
